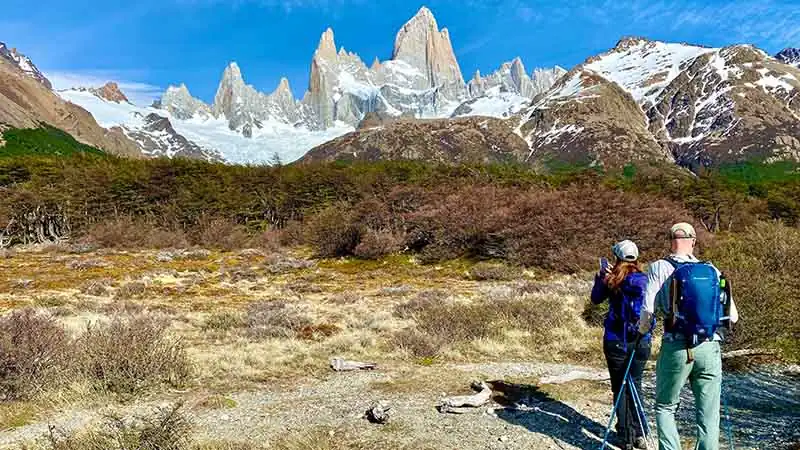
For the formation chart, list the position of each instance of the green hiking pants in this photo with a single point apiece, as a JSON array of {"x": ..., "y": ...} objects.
[{"x": 705, "y": 377}]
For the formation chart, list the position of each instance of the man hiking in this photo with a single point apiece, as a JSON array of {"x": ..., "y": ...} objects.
[{"x": 692, "y": 296}]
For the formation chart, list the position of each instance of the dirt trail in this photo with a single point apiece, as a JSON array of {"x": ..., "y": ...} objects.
[{"x": 765, "y": 406}]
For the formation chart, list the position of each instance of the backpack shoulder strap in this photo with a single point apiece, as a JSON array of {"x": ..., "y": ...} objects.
[{"x": 673, "y": 262}]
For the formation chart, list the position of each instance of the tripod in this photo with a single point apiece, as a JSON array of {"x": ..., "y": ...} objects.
[{"x": 628, "y": 383}]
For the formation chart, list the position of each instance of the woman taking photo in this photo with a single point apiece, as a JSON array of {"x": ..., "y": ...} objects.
[{"x": 624, "y": 285}]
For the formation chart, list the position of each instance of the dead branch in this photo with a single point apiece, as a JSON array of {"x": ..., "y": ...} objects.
[
  {"x": 453, "y": 404},
  {"x": 341, "y": 365}
]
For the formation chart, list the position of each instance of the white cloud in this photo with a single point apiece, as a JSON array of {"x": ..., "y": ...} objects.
[{"x": 137, "y": 92}]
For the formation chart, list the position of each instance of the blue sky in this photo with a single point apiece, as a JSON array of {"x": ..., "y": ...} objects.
[{"x": 149, "y": 44}]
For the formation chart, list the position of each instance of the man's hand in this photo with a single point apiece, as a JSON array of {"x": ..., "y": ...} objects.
[{"x": 645, "y": 322}]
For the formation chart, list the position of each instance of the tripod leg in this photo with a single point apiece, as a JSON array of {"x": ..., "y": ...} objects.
[{"x": 643, "y": 423}]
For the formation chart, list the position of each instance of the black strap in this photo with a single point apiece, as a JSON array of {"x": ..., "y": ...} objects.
[{"x": 675, "y": 264}]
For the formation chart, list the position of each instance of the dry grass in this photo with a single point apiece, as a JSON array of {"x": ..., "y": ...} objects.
[{"x": 167, "y": 429}]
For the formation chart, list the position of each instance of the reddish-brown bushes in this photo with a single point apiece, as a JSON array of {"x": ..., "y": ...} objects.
[
  {"x": 126, "y": 232},
  {"x": 33, "y": 353},
  {"x": 563, "y": 230},
  {"x": 376, "y": 244},
  {"x": 221, "y": 234}
]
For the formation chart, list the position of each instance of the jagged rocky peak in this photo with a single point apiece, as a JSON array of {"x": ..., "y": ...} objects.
[
  {"x": 511, "y": 77},
  {"x": 420, "y": 44},
  {"x": 180, "y": 103},
  {"x": 789, "y": 56},
  {"x": 327, "y": 46},
  {"x": 231, "y": 87},
  {"x": 111, "y": 92},
  {"x": 630, "y": 41},
  {"x": 24, "y": 64}
]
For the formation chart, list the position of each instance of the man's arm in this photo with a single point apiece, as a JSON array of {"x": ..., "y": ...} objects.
[{"x": 656, "y": 277}]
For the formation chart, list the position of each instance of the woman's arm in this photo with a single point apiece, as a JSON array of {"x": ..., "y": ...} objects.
[{"x": 599, "y": 290}]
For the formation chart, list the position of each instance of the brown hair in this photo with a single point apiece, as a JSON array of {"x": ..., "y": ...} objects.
[{"x": 621, "y": 271}]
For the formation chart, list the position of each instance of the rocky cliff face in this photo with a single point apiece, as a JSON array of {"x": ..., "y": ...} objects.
[
  {"x": 420, "y": 44},
  {"x": 157, "y": 137},
  {"x": 24, "y": 64},
  {"x": 703, "y": 106},
  {"x": 789, "y": 56},
  {"x": 471, "y": 140},
  {"x": 246, "y": 109}
]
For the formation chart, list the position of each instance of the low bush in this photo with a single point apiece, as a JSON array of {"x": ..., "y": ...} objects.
[
  {"x": 275, "y": 320},
  {"x": 34, "y": 354},
  {"x": 486, "y": 271},
  {"x": 222, "y": 234},
  {"x": 334, "y": 231},
  {"x": 455, "y": 322},
  {"x": 130, "y": 233},
  {"x": 167, "y": 429},
  {"x": 224, "y": 321},
  {"x": 762, "y": 264},
  {"x": 131, "y": 354},
  {"x": 377, "y": 244},
  {"x": 539, "y": 316},
  {"x": 134, "y": 289},
  {"x": 418, "y": 344}
]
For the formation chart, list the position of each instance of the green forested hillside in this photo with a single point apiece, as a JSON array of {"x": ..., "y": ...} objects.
[{"x": 42, "y": 141}]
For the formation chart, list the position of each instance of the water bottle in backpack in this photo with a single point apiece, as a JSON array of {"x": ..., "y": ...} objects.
[{"x": 699, "y": 302}]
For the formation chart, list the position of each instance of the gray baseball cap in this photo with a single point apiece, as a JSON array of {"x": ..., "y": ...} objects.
[{"x": 626, "y": 251}]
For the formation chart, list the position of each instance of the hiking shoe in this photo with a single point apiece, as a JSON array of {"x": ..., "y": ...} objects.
[{"x": 640, "y": 442}]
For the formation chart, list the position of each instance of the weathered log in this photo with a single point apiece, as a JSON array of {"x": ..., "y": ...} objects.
[
  {"x": 378, "y": 413},
  {"x": 341, "y": 365},
  {"x": 749, "y": 352},
  {"x": 455, "y": 404}
]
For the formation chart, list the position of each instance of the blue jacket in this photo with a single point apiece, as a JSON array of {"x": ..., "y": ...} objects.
[{"x": 634, "y": 287}]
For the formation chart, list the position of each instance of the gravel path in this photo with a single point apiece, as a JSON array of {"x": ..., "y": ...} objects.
[{"x": 765, "y": 406}]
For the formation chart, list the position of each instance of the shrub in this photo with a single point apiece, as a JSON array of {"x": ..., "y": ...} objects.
[
  {"x": 333, "y": 232},
  {"x": 134, "y": 289},
  {"x": 377, "y": 244},
  {"x": 762, "y": 264},
  {"x": 224, "y": 321},
  {"x": 485, "y": 271},
  {"x": 221, "y": 234},
  {"x": 418, "y": 344},
  {"x": 539, "y": 316},
  {"x": 96, "y": 288},
  {"x": 455, "y": 322},
  {"x": 275, "y": 320},
  {"x": 132, "y": 354},
  {"x": 34, "y": 352},
  {"x": 167, "y": 429},
  {"x": 127, "y": 232}
]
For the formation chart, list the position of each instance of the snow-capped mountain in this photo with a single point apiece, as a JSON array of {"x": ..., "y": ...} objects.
[
  {"x": 24, "y": 64},
  {"x": 789, "y": 56},
  {"x": 643, "y": 102},
  {"x": 696, "y": 105},
  {"x": 422, "y": 79}
]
